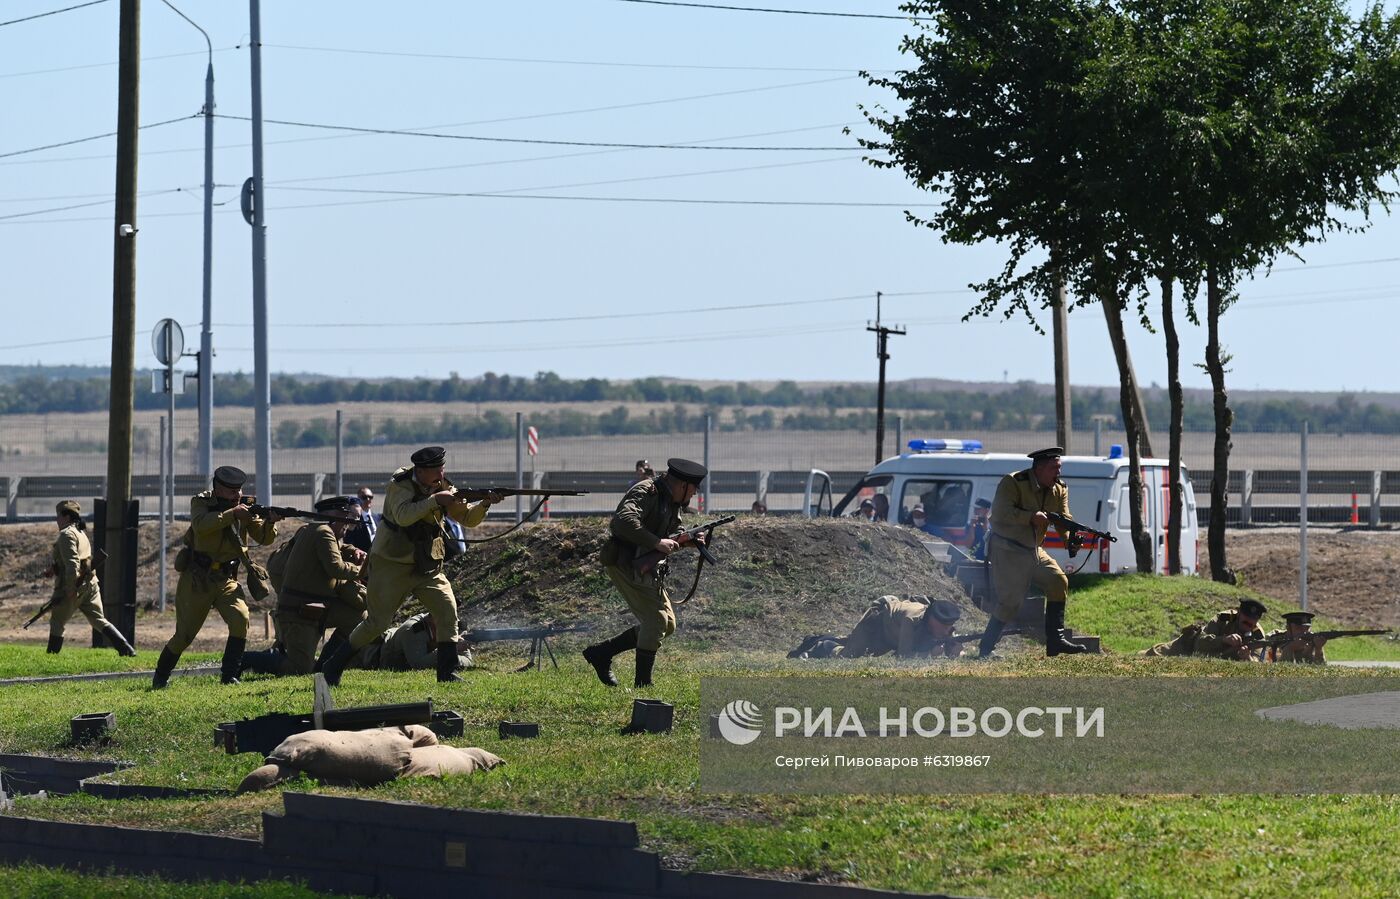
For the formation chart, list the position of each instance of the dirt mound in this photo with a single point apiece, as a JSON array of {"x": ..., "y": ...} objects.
[{"x": 779, "y": 579}]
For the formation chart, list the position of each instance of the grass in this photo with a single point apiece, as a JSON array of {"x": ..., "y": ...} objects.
[
  {"x": 30, "y": 660},
  {"x": 35, "y": 882}
]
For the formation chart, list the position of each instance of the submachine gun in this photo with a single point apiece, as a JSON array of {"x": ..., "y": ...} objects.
[
  {"x": 656, "y": 560},
  {"x": 1073, "y": 532}
]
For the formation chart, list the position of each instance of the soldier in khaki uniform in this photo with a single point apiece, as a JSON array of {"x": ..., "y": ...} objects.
[
  {"x": 908, "y": 628},
  {"x": 1302, "y": 646},
  {"x": 321, "y": 591},
  {"x": 1228, "y": 635},
  {"x": 650, "y": 511},
  {"x": 75, "y": 582},
  {"x": 220, "y": 528},
  {"x": 412, "y": 646},
  {"x": 1019, "y": 524},
  {"x": 407, "y": 555}
]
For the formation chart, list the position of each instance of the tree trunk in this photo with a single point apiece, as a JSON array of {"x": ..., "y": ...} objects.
[
  {"x": 1224, "y": 418},
  {"x": 1113, "y": 313},
  {"x": 1174, "y": 511}
]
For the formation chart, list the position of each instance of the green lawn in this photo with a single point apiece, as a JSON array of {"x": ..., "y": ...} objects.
[
  {"x": 30, "y": 660},
  {"x": 35, "y": 882}
]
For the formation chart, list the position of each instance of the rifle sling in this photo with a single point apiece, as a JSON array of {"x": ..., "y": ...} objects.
[{"x": 539, "y": 505}]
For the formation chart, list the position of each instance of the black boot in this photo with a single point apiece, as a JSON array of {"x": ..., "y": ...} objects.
[
  {"x": 332, "y": 644},
  {"x": 447, "y": 662},
  {"x": 990, "y": 638},
  {"x": 55, "y": 644},
  {"x": 1055, "y": 642},
  {"x": 645, "y": 659},
  {"x": 233, "y": 658},
  {"x": 164, "y": 666},
  {"x": 600, "y": 655},
  {"x": 118, "y": 641},
  {"x": 268, "y": 661},
  {"x": 334, "y": 665}
]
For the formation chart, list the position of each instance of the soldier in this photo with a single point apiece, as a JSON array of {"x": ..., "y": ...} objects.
[
  {"x": 75, "y": 581},
  {"x": 649, "y": 512},
  {"x": 1229, "y": 634},
  {"x": 320, "y": 591},
  {"x": 1302, "y": 645},
  {"x": 1017, "y": 558},
  {"x": 220, "y": 526},
  {"x": 905, "y": 627},
  {"x": 407, "y": 557},
  {"x": 412, "y": 646}
]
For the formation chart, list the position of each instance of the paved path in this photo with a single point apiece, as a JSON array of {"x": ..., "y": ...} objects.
[{"x": 1361, "y": 711}]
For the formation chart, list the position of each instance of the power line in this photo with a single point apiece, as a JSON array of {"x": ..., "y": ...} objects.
[
  {"x": 107, "y": 199},
  {"x": 104, "y": 65},
  {"x": 52, "y": 12},
  {"x": 83, "y": 140},
  {"x": 529, "y": 140},
  {"x": 400, "y": 196},
  {"x": 790, "y": 12},
  {"x": 563, "y": 62}
]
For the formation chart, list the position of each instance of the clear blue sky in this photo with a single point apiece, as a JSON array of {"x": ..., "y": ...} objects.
[{"x": 380, "y": 284}]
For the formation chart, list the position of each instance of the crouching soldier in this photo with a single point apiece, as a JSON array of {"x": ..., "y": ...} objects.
[
  {"x": 320, "y": 592},
  {"x": 220, "y": 527},
  {"x": 75, "y": 582},
  {"x": 413, "y": 646},
  {"x": 1296, "y": 642},
  {"x": 1228, "y": 636},
  {"x": 907, "y": 628}
]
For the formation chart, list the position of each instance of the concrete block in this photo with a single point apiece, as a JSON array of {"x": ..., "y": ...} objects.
[{"x": 91, "y": 726}]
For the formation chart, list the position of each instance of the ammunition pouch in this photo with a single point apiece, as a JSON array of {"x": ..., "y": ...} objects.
[
  {"x": 259, "y": 585},
  {"x": 429, "y": 545},
  {"x": 226, "y": 571}
]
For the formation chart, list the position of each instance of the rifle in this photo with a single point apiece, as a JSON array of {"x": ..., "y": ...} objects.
[
  {"x": 1063, "y": 524},
  {"x": 98, "y": 558},
  {"x": 538, "y": 637},
  {"x": 290, "y": 512},
  {"x": 43, "y": 610},
  {"x": 965, "y": 638},
  {"x": 646, "y": 563},
  {"x": 1284, "y": 639},
  {"x": 477, "y": 493}
]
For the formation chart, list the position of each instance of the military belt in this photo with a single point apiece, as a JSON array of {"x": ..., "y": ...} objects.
[{"x": 226, "y": 570}]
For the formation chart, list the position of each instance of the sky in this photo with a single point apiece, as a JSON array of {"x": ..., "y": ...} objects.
[{"x": 470, "y": 251}]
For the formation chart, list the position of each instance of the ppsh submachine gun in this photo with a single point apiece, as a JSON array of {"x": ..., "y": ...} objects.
[
  {"x": 699, "y": 536},
  {"x": 1074, "y": 531},
  {"x": 538, "y": 637}
]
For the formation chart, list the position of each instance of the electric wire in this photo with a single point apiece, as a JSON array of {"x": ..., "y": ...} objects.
[
  {"x": 52, "y": 12},
  {"x": 82, "y": 140},
  {"x": 790, "y": 12}
]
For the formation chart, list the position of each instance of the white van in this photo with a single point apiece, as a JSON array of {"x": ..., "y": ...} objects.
[{"x": 948, "y": 476}]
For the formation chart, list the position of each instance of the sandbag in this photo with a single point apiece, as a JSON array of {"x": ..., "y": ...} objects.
[
  {"x": 366, "y": 757},
  {"x": 420, "y": 735},
  {"x": 267, "y": 777},
  {"x": 435, "y": 761}
]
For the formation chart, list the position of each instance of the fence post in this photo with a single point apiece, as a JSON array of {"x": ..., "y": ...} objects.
[
  {"x": 1303, "y": 519},
  {"x": 761, "y": 488},
  {"x": 519, "y": 466},
  {"x": 1246, "y": 497},
  {"x": 709, "y": 479},
  {"x": 339, "y": 452},
  {"x": 1374, "y": 519},
  {"x": 12, "y": 500}
]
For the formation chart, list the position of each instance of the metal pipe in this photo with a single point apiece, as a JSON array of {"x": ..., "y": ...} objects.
[
  {"x": 262, "y": 383},
  {"x": 1303, "y": 520}
]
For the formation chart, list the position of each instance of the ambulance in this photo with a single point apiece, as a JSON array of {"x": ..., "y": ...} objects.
[{"x": 947, "y": 478}]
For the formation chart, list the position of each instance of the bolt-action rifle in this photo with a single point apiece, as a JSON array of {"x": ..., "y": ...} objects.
[
  {"x": 99, "y": 557},
  {"x": 1277, "y": 640}
]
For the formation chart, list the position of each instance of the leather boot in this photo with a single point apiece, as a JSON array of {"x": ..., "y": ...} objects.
[
  {"x": 600, "y": 655},
  {"x": 233, "y": 659},
  {"x": 55, "y": 644},
  {"x": 332, "y": 644},
  {"x": 990, "y": 638},
  {"x": 118, "y": 641},
  {"x": 334, "y": 666},
  {"x": 267, "y": 661},
  {"x": 447, "y": 662},
  {"x": 646, "y": 658},
  {"x": 1055, "y": 642},
  {"x": 164, "y": 666}
]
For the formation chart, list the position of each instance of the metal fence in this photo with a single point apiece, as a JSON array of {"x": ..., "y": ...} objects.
[{"x": 47, "y": 456}]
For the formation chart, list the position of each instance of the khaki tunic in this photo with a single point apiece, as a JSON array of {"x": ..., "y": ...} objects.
[
  {"x": 316, "y": 572},
  {"x": 645, "y": 516},
  {"x": 393, "y": 575},
  {"x": 215, "y": 534},
  {"x": 75, "y": 582},
  {"x": 1311, "y": 655},
  {"x": 1014, "y": 550},
  {"x": 893, "y": 625},
  {"x": 1211, "y": 641},
  {"x": 410, "y": 647}
]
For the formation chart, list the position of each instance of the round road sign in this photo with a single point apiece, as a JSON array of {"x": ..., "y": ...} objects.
[{"x": 168, "y": 341}]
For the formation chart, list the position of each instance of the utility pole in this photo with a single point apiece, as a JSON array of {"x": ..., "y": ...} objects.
[
  {"x": 253, "y": 208},
  {"x": 120, "y": 608},
  {"x": 882, "y": 344},
  {"x": 1060, "y": 317}
]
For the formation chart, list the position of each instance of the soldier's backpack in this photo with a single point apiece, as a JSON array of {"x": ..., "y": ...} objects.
[{"x": 277, "y": 562}]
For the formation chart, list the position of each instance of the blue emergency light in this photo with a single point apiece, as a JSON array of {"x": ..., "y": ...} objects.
[
  {"x": 1115, "y": 451},
  {"x": 921, "y": 445}
]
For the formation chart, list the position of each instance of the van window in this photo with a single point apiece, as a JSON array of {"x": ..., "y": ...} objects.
[
  {"x": 947, "y": 504},
  {"x": 1125, "y": 512}
]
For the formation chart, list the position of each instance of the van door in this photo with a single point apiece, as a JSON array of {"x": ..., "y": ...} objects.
[{"x": 1155, "y": 511}]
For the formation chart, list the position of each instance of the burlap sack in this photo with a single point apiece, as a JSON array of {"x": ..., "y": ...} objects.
[
  {"x": 366, "y": 757},
  {"x": 420, "y": 735},
  {"x": 435, "y": 761},
  {"x": 267, "y": 777}
]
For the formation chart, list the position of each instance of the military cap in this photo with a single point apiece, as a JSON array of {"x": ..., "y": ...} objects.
[
  {"x": 944, "y": 611},
  {"x": 69, "y": 507},
  {"x": 686, "y": 470},
  {"x": 1253, "y": 608},
  {"x": 1298, "y": 617},
  {"x": 230, "y": 476},
  {"x": 429, "y": 457},
  {"x": 983, "y": 504},
  {"x": 335, "y": 504},
  {"x": 867, "y": 504},
  {"x": 1050, "y": 452}
]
